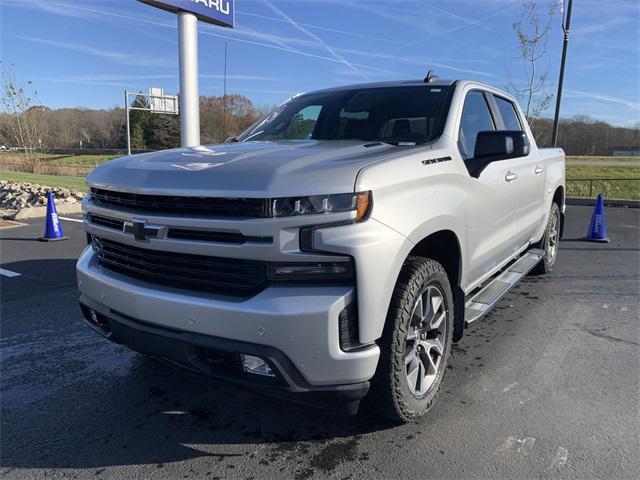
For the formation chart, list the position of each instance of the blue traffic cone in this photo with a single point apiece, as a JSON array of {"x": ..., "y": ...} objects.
[
  {"x": 53, "y": 228},
  {"x": 598, "y": 226}
]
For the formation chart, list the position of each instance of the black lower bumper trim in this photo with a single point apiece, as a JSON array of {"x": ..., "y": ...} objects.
[{"x": 219, "y": 359}]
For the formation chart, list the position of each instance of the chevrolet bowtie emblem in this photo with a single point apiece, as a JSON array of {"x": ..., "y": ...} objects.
[{"x": 142, "y": 231}]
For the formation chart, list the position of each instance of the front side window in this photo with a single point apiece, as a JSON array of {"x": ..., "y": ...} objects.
[
  {"x": 508, "y": 113},
  {"x": 298, "y": 127},
  {"x": 411, "y": 114},
  {"x": 476, "y": 117}
]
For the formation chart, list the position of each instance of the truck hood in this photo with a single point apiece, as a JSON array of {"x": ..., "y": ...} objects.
[{"x": 252, "y": 169}]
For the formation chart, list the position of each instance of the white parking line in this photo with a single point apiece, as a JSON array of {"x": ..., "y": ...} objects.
[
  {"x": 8, "y": 273},
  {"x": 71, "y": 219}
]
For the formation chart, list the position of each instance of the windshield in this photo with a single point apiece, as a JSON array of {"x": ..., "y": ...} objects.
[{"x": 411, "y": 114}]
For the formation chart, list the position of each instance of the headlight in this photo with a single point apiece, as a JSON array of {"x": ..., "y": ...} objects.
[
  {"x": 319, "y": 204},
  {"x": 311, "y": 271}
]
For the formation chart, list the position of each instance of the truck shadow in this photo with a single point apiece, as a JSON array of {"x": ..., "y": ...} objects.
[{"x": 155, "y": 415}]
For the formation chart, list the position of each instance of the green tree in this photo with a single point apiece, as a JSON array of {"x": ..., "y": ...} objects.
[
  {"x": 137, "y": 137},
  {"x": 163, "y": 132},
  {"x": 140, "y": 121}
]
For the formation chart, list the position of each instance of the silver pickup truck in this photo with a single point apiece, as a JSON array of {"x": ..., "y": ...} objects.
[{"x": 334, "y": 250}]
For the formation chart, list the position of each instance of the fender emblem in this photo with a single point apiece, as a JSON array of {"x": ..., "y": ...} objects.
[{"x": 436, "y": 160}]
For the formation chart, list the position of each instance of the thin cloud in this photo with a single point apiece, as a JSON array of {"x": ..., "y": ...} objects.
[
  {"x": 321, "y": 42},
  {"x": 633, "y": 105},
  {"x": 120, "y": 58},
  {"x": 100, "y": 14},
  {"x": 324, "y": 29},
  {"x": 467, "y": 21},
  {"x": 416, "y": 61},
  {"x": 118, "y": 77},
  {"x": 291, "y": 50}
]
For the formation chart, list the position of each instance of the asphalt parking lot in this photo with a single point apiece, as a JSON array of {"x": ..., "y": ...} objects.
[{"x": 547, "y": 386}]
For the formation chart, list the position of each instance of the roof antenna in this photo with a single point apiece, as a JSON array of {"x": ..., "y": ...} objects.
[{"x": 431, "y": 77}]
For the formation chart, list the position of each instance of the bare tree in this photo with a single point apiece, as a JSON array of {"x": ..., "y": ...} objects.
[
  {"x": 24, "y": 116},
  {"x": 532, "y": 31}
]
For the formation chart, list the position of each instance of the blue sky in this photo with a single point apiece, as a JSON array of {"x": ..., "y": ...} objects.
[{"x": 85, "y": 53}]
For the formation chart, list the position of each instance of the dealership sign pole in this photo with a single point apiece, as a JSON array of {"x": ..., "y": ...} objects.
[{"x": 217, "y": 12}]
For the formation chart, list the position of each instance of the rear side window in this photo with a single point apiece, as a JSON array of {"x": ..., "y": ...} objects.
[
  {"x": 476, "y": 117},
  {"x": 509, "y": 115}
]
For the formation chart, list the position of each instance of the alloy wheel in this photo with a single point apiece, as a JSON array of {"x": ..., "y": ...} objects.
[
  {"x": 552, "y": 237},
  {"x": 425, "y": 340}
]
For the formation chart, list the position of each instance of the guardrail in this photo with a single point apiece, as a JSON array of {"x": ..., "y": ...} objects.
[{"x": 612, "y": 188}]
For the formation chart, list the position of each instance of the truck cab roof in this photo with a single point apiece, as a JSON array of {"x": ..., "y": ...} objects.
[{"x": 392, "y": 83}]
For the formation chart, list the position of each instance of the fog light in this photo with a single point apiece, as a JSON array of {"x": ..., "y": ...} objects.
[{"x": 256, "y": 366}]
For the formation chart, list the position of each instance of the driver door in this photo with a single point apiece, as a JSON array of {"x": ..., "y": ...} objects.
[{"x": 490, "y": 198}]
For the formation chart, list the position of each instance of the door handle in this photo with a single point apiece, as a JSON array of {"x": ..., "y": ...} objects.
[
  {"x": 538, "y": 170},
  {"x": 510, "y": 177}
]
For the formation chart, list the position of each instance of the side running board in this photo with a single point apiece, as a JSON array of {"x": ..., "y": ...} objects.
[{"x": 483, "y": 301}]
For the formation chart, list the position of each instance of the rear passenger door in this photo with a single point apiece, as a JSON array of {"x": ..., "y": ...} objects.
[
  {"x": 490, "y": 198},
  {"x": 529, "y": 185}
]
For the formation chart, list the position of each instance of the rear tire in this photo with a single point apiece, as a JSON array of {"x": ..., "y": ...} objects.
[
  {"x": 415, "y": 343},
  {"x": 550, "y": 242}
]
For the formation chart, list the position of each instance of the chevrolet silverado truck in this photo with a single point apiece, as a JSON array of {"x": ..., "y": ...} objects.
[{"x": 331, "y": 252}]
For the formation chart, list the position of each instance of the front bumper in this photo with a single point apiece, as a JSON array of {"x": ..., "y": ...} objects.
[
  {"x": 219, "y": 359},
  {"x": 300, "y": 323}
]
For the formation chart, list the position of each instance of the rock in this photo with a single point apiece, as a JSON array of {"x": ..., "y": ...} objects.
[
  {"x": 7, "y": 214},
  {"x": 30, "y": 199}
]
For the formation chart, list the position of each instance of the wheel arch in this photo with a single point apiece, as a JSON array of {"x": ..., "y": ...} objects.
[
  {"x": 444, "y": 247},
  {"x": 559, "y": 199}
]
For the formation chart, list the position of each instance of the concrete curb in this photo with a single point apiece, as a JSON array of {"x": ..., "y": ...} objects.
[
  {"x": 590, "y": 202},
  {"x": 39, "y": 212}
]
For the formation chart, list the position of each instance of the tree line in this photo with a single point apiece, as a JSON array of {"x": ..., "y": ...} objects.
[
  {"x": 222, "y": 118},
  {"x": 106, "y": 129}
]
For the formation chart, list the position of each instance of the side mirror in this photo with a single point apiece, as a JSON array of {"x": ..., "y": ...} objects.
[{"x": 495, "y": 145}]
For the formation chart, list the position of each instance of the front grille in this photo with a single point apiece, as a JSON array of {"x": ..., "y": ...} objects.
[
  {"x": 206, "y": 236},
  {"x": 193, "y": 272},
  {"x": 236, "y": 238},
  {"x": 167, "y": 204},
  {"x": 214, "y": 236},
  {"x": 106, "y": 221}
]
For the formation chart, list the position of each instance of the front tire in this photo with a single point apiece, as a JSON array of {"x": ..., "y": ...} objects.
[
  {"x": 550, "y": 242},
  {"x": 415, "y": 343}
]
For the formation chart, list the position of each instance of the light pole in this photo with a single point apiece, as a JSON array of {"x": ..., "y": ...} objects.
[
  {"x": 565, "y": 27},
  {"x": 126, "y": 108}
]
